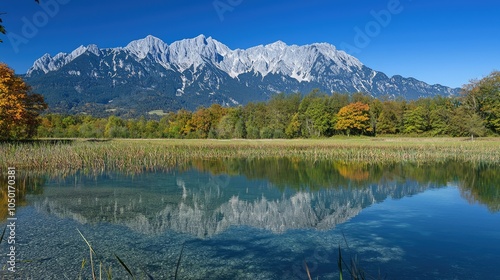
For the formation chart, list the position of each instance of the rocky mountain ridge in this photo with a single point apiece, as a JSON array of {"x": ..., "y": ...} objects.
[{"x": 149, "y": 74}]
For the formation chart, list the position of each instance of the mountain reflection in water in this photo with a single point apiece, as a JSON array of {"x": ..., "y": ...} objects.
[{"x": 208, "y": 197}]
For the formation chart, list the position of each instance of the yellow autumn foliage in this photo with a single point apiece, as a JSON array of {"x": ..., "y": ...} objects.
[
  {"x": 19, "y": 109},
  {"x": 354, "y": 119}
]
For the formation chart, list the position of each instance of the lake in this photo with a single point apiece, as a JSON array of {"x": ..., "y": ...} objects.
[{"x": 261, "y": 219}]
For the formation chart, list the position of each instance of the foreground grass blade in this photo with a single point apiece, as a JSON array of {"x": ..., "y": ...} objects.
[
  {"x": 150, "y": 277},
  {"x": 85, "y": 239},
  {"x": 91, "y": 253},
  {"x": 345, "y": 240},
  {"x": 108, "y": 272},
  {"x": 307, "y": 270},
  {"x": 178, "y": 263},
  {"x": 125, "y": 266},
  {"x": 3, "y": 233},
  {"x": 84, "y": 261},
  {"x": 340, "y": 264}
]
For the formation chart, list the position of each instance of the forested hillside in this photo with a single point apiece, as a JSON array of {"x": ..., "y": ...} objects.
[{"x": 476, "y": 112}]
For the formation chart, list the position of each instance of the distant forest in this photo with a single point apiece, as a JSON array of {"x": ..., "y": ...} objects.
[{"x": 476, "y": 112}]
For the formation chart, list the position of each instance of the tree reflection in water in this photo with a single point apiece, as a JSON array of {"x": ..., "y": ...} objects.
[{"x": 209, "y": 196}]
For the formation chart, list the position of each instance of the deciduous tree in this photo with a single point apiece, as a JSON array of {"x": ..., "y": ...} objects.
[
  {"x": 417, "y": 118},
  {"x": 19, "y": 110},
  {"x": 315, "y": 114},
  {"x": 354, "y": 119},
  {"x": 390, "y": 118},
  {"x": 483, "y": 98}
]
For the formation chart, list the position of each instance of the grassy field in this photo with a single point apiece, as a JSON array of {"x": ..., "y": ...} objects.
[{"x": 136, "y": 155}]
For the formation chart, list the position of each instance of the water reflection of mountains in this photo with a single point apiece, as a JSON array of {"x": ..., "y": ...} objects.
[{"x": 275, "y": 195}]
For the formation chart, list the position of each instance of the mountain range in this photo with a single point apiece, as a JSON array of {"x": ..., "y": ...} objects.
[{"x": 149, "y": 75}]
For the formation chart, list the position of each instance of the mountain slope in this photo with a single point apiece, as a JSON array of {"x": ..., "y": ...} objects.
[{"x": 148, "y": 75}]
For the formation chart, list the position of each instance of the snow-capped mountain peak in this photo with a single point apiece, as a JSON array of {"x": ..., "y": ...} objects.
[
  {"x": 276, "y": 58},
  {"x": 278, "y": 45},
  {"x": 48, "y": 63},
  {"x": 82, "y": 49},
  {"x": 149, "y": 45},
  {"x": 44, "y": 63},
  {"x": 209, "y": 71}
]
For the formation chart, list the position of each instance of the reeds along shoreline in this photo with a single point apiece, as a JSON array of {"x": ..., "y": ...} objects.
[{"x": 139, "y": 155}]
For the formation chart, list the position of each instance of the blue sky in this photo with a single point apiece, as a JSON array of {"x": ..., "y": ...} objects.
[{"x": 445, "y": 42}]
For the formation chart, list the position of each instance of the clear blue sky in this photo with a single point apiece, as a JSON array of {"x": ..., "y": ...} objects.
[{"x": 446, "y": 42}]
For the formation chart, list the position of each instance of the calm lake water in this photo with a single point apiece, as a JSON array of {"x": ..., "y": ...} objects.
[{"x": 261, "y": 219}]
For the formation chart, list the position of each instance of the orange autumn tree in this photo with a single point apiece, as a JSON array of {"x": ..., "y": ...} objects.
[
  {"x": 354, "y": 119},
  {"x": 19, "y": 110}
]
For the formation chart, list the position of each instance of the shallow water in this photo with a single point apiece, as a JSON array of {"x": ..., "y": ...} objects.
[{"x": 262, "y": 219}]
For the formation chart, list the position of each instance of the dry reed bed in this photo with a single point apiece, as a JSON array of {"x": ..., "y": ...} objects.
[{"x": 138, "y": 155}]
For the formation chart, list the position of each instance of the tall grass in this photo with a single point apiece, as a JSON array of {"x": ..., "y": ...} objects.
[
  {"x": 108, "y": 273},
  {"x": 354, "y": 271},
  {"x": 139, "y": 155}
]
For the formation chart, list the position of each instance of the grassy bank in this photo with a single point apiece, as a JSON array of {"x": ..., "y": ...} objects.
[{"x": 136, "y": 155}]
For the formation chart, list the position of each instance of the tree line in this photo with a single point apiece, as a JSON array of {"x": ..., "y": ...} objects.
[{"x": 476, "y": 112}]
